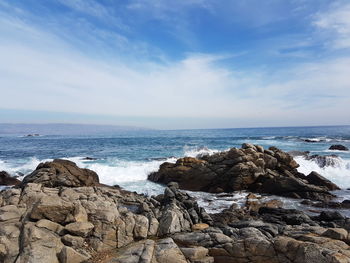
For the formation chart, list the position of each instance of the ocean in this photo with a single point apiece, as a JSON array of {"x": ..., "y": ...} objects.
[{"x": 125, "y": 158}]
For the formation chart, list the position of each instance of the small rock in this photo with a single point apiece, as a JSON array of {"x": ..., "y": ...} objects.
[
  {"x": 72, "y": 241},
  {"x": 79, "y": 228},
  {"x": 339, "y": 147},
  {"x": 199, "y": 226}
]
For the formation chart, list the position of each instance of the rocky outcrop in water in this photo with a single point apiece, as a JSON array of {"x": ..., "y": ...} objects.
[
  {"x": 339, "y": 147},
  {"x": 324, "y": 160},
  {"x": 250, "y": 168}
]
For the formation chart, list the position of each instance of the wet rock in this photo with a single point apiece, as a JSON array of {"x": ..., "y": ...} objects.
[
  {"x": 317, "y": 179},
  {"x": 185, "y": 172},
  {"x": 61, "y": 173},
  {"x": 251, "y": 168},
  {"x": 70, "y": 224},
  {"x": 324, "y": 160},
  {"x": 7, "y": 179},
  {"x": 339, "y": 147}
]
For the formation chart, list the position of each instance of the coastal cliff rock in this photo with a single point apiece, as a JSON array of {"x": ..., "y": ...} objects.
[
  {"x": 250, "y": 168},
  {"x": 40, "y": 224}
]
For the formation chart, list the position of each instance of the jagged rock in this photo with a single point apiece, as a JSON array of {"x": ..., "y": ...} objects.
[
  {"x": 317, "y": 179},
  {"x": 68, "y": 224},
  {"x": 249, "y": 168},
  {"x": 61, "y": 173},
  {"x": 324, "y": 160},
  {"x": 339, "y": 147},
  {"x": 6, "y": 179}
]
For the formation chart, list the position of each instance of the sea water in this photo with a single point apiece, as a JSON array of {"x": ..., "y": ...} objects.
[{"x": 125, "y": 158}]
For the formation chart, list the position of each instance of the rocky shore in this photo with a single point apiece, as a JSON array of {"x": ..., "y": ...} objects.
[
  {"x": 251, "y": 168},
  {"x": 61, "y": 213}
]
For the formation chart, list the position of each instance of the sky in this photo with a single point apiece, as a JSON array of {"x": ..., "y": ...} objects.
[{"x": 175, "y": 64}]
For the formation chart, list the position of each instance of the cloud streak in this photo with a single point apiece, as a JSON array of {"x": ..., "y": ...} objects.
[
  {"x": 336, "y": 23},
  {"x": 41, "y": 71}
]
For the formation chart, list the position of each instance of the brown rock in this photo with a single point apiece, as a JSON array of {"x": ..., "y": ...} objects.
[
  {"x": 61, "y": 173},
  {"x": 79, "y": 228},
  {"x": 6, "y": 179},
  {"x": 199, "y": 227}
]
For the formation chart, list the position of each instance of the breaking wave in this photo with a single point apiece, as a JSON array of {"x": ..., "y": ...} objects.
[{"x": 339, "y": 173}]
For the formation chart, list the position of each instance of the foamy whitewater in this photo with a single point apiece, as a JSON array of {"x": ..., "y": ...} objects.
[{"x": 126, "y": 159}]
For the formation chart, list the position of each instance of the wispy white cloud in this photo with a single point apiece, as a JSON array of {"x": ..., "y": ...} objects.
[
  {"x": 89, "y": 7},
  {"x": 336, "y": 23}
]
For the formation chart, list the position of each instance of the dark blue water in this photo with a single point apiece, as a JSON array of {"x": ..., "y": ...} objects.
[{"x": 126, "y": 157}]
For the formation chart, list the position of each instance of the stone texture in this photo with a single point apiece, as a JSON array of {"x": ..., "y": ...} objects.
[
  {"x": 61, "y": 173},
  {"x": 249, "y": 168}
]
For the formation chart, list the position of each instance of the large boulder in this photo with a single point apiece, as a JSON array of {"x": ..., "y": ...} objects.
[
  {"x": 6, "y": 179},
  {"x": 61, "y": 173},
  {"x": 251, "y": 168}
]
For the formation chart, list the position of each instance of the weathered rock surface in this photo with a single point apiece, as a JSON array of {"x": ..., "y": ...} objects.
[
  {"x": 107, "y": 224},
  {"x": 6, "y": 179},
  {"x": 62, "y": 173},
  {"x": 69, "y": 224},
  {"x": 339, "y": 147},
  {"x": 249, "y": 168}
]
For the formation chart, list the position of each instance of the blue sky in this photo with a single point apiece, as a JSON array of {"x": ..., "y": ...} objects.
[{"x": 175, "y": 64}]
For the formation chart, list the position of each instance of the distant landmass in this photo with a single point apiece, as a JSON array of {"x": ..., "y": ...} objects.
[{"x": 62, "y": 129}]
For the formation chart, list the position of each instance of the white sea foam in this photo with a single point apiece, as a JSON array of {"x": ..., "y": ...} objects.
[
  {"x": 23, "y": 167},
  {"x": 338, "y": 174},
  {"x": 114, "y": 171},
  {"x": 198, "y": 151}
]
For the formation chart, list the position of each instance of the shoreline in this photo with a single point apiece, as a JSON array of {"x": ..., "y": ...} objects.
[{"x": 61, "y": 213}]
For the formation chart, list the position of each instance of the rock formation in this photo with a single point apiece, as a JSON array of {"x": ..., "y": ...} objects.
[
  {"x": 6, "y": 179},
  {"x": 339, "y": 147},
  {"x": 250, "y": 168},
  {"x": 40, "y": 223},
  {"x": 47, "y": 221},
  {"x": 62, "y": 173}
]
